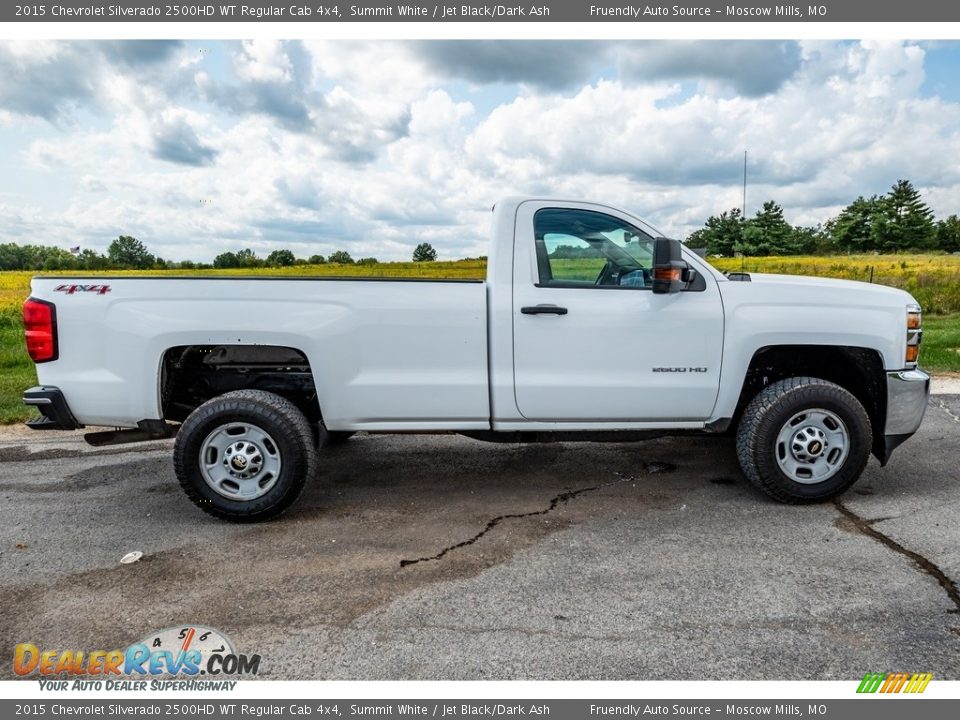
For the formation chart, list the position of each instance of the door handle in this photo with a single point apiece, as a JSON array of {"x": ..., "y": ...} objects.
[{"x": 543, "y": 310}]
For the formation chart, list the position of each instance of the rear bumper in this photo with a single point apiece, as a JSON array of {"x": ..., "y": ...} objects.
[
  {"x": 907, "y": 393},
  {"x": 52, "y": 406}
]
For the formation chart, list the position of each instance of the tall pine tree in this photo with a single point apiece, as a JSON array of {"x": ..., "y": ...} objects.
[
  {"x": 853, "y": 229},
  {"x": 767, "y": 233},
  {"x": 906, "y": 221},
  {"x": 722, "y": 235}
]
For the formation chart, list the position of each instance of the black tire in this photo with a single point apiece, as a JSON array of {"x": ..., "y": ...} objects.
[
  {"x": 290, "y": 438},
  {"x": 770, "y": 411}
]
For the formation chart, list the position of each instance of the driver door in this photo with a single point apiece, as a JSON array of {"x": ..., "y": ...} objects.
[{"x": 592, "y": 343}]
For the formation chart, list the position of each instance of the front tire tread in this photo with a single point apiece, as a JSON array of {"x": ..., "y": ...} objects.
[{"x": 760, "y": 424}]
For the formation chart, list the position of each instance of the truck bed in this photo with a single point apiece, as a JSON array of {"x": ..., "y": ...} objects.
[{"x": 375, "y": 344}]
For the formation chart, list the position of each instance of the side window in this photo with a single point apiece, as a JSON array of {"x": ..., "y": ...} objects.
[{"x": 582, "y": 248}]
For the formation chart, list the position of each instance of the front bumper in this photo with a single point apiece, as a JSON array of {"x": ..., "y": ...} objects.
[
  {"x": 52, "y": 406},
  {"x": 907, "y": 393}
]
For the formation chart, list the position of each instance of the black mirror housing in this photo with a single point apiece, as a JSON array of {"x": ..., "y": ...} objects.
[{"x": 669, "y": 269}]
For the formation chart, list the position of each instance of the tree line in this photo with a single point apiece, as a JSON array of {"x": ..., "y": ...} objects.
[
  {"x": 896, "y": 222},
  {"x": 128, "y": 253}
]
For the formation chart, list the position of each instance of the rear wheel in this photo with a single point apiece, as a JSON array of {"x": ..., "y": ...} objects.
[
  {"x": 245, "y": 456},
  {"x": 803, "y": 440}
]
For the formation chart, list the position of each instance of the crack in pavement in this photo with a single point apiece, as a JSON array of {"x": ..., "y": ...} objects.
[
  {"x": 564, "y": 497},
  {"x": 559, "y": 632},
  {"x": 943, "y": 406},
  {"x": 865, "y": 527},
  {"x": 527, "y": 632}
]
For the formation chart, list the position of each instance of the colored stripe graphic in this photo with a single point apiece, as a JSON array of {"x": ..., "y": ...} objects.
[
  {"x": 898, "y": 683},
  {"x": 870, "y": 683},
  {"x": 894, "y": 682},
  {"x": 923, "y": 679}
]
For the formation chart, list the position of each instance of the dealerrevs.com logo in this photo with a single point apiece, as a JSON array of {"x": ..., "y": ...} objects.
[{"x": 184, "y": 653}]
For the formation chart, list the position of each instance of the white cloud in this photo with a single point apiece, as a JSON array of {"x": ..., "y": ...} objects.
[
  {"x": 318, "y": 146},
  {"x": 263, "y": 61}
]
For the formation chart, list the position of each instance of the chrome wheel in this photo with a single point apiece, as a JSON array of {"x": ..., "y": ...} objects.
[
  {"x": 240, "y": 461},
  {"x": 812, "y": 446}
]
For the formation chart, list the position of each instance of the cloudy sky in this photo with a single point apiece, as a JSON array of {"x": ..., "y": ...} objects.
[{"x": 201, "y": 147}]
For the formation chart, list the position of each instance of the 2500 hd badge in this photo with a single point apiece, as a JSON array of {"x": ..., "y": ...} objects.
[{"x": 679, "y": 369}]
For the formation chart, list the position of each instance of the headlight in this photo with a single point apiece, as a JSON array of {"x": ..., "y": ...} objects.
[{"x": 914, "y": 334}]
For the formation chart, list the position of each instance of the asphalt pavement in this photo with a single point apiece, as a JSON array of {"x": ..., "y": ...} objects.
[{"x": 440, "y": 557}]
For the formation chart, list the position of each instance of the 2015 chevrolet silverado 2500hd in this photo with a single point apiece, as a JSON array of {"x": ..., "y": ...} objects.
[{"x": 589, "y": 322}]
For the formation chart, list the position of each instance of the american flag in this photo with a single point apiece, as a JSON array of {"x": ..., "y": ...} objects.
[{"x": 75, "y": 250}]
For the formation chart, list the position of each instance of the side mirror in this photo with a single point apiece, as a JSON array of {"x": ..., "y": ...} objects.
[{"x": 670, "y": 273}]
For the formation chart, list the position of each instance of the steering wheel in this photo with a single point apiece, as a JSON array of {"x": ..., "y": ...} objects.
[
  {"x": 618, "y": 276},
  {"x": 610, "y": 274}
]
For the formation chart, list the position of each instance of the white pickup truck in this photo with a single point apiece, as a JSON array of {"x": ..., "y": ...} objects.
[{"x": 590, "y": 325}]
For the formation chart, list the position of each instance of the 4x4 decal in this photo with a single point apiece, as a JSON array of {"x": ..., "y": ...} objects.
[{"x": 71, "y": 289}]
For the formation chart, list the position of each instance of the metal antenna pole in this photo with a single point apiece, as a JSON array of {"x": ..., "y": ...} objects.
[{"x": 743, "y": 207}]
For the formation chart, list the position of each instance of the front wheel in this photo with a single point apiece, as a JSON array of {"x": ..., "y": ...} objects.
[
  {"x": 244, "y": 456},
  {"x": 803, "y": 440}
]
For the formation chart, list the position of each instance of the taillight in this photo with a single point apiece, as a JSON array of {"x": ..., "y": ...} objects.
[{"x": 40, "y": 325}]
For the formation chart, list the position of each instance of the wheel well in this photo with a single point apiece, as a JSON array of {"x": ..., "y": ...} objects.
[
  {"x": 857, "y": 370},
  {"x": 192, "y": 374}
]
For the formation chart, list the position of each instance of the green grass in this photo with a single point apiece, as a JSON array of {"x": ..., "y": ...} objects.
[
  {"x": 933, "y": 279},
  {"x": 940, "y": 351},
  {"x": 16, "y": 370}
]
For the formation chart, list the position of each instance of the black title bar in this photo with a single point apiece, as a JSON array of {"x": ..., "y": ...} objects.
[{"x": 315, "y": 11}]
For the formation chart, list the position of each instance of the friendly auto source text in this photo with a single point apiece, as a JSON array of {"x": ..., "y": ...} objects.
[{"x": 638, "y": 11}]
